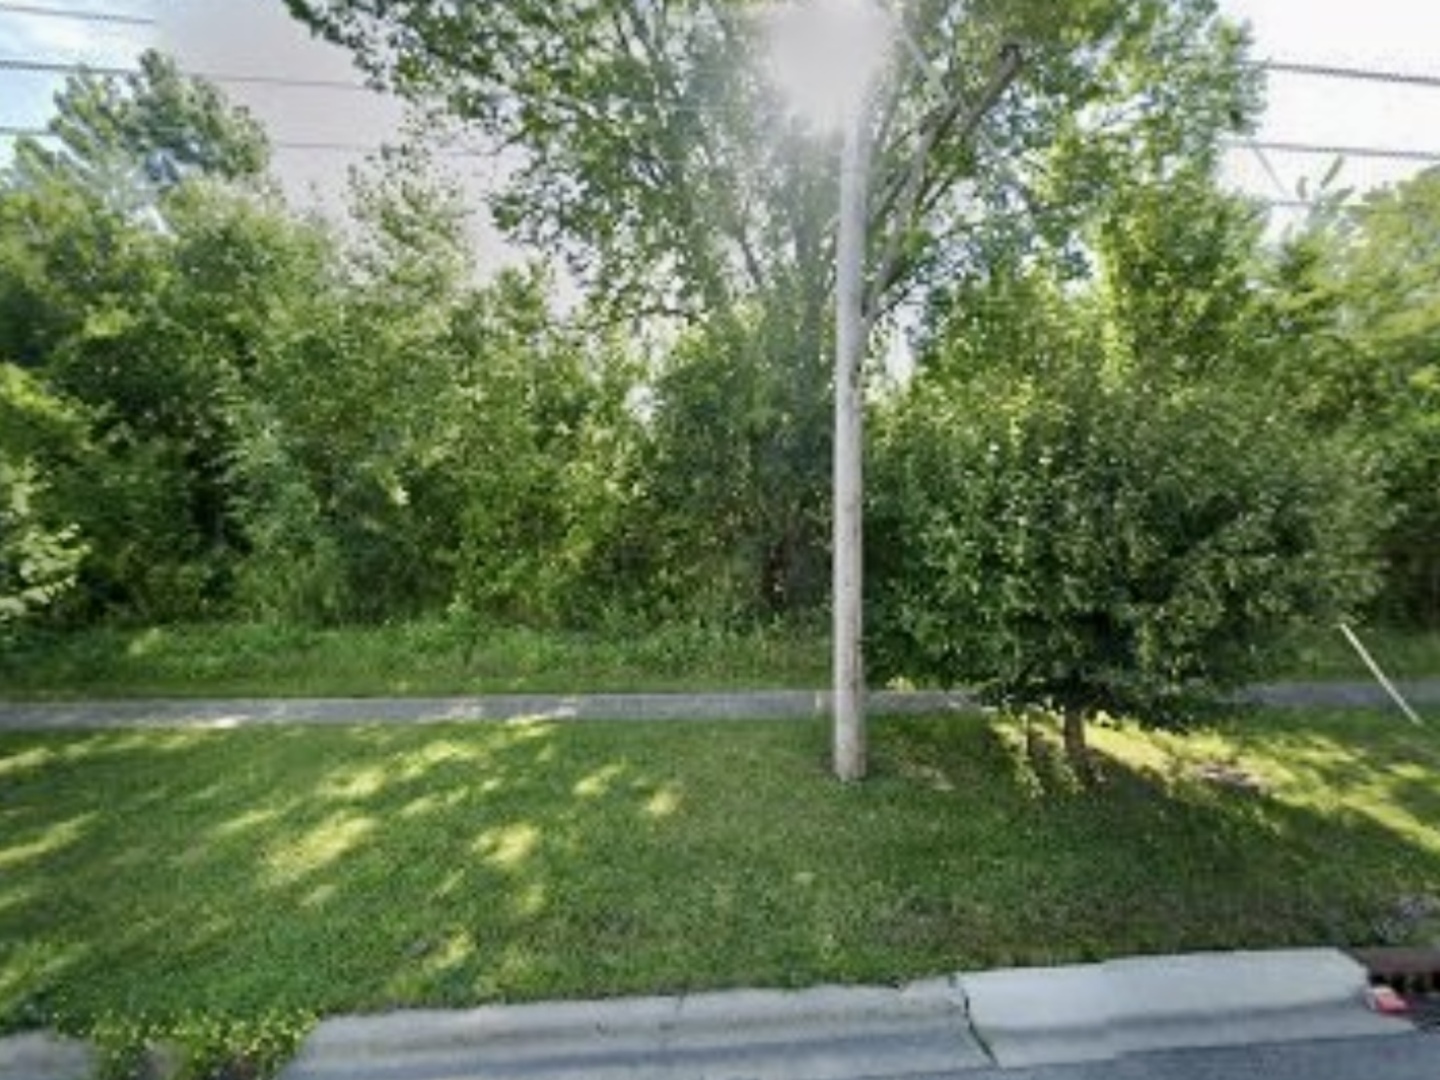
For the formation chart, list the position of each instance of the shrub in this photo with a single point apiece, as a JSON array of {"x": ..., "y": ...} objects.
[{"x": 1101, "y": 544}]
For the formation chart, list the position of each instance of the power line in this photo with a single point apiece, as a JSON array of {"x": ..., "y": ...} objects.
[
  {"x": 1256, "y": 146},
  {"x": 78, "y": 16},
  {"x": 1395, "y": 153},
  {"x": 315, "y": 146},
  {"x": 1335, "y": 71},
  {"x": 1289, "y": 67},
  {"x": 50, "y": 67}
]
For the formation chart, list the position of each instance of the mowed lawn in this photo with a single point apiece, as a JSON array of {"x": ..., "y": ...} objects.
[
  {"x": 437, "y": 658},
  {"x": 159, "y": 874}
]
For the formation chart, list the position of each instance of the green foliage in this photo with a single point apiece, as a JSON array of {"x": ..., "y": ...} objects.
[
  {"x": 112, "y": 309},
  {"x": 1383, "y": 382},
  {"x": 542, "y": 439},
  {"x": 653, "y": 151},
  {"x": 458, "y": 655},
  {"x": 1091, "y": 496},
  {"x": 40, "y": 551},
  {"x": 127, "y": 140},
  {"x": 196, "y": 1044},
  {"x": 1101, "y": 546},
  {"x": 728, "y": 515}
]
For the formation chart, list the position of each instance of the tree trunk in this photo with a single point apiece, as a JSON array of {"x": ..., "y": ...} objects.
[{"x": 1077, "y": 750}]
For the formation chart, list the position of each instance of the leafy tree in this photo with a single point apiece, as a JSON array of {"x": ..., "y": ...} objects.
[
  {"x": 653, "y": 152},
  {"x": 1389, "y": 384},
  {"x": 1093, "y": 503},
  {"x": 543, "y": 440},
  {"x": 105, "y": 310},
  {"x": 40, "y": 551},
  {"x": 409, "y": 440},
  {"x": 1102, "y": 547},
  {"x": 127, "y": 140},
  {"x": 1352, "y": 321}
]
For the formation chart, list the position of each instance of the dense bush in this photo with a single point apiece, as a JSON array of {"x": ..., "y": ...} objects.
[
  {"x": 40, "y": 549},
  {"x": 1100, "y": 543}
]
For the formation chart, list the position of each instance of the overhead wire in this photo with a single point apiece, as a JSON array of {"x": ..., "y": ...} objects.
[
  {"x": 1362, "y": 74},
  {"x": 78, "y": 15},
  {"x": 51, "y": 67},
  {"x": 55, "y": 67},
  {"x": 1335, "y": 150},
  {"x": 1259, "y": 147}
]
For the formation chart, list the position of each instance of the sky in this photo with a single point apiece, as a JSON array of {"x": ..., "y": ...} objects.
[
  {"x": 1385, "y": 35},
  {"x": 257, "y": 37}
]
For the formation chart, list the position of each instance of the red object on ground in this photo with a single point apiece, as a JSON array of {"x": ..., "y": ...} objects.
[{"x": 1383, "y": 999}]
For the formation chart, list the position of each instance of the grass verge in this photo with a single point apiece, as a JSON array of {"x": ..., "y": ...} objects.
[
  {"x": 220, "y": 888},
  {"x": 436, "y": 658},
  {"x": 1401, "y": 654},
  {"x": 440, "y": 658}
]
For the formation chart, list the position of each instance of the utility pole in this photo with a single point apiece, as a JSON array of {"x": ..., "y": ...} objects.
[
  {"x": 854, "y": 310},
  {"x": 851, "y": 326}
]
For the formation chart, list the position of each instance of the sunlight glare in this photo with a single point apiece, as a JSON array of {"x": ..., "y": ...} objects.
[{"x": 824, "y": 54}]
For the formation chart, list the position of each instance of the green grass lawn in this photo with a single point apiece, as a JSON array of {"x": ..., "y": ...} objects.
[
  {"x": 425, "y": 658},
  {"x": 438, "y": 658},
  {"x": 1402, "y": 654},
  {"x": 228, "y": 885}
]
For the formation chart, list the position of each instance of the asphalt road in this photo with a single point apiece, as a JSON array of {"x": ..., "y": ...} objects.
[
  {"x": 1401, "y": 1057},
  {"x": 1411, "y": 1056}
]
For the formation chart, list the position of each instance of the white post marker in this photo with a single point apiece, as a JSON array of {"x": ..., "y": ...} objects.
[{"x": 1380, "y": 677}]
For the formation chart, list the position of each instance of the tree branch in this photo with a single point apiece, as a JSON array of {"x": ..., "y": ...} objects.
[{"x": 914, "y": 188}]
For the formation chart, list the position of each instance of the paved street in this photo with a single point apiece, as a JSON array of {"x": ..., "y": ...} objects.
[
  {"x": 1410, "y": 1057},
  {"x": 1413, "y": 1056}
]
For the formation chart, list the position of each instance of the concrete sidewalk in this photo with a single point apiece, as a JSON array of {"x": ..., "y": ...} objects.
[
  {"x": 969, "y": 1024},
  {"x": 712, "y": 705}
]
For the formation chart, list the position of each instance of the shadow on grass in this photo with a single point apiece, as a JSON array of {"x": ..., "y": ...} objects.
[{"x": 327, "y": 870}]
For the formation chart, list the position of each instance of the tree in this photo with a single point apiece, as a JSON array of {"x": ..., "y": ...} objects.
[
  {"x": 651, "y": 150},
  {"x": 127, "y": 140},
  {"x": 105, "y": 311},
  {"x": 409, "y": 440},
  {"x": 1096, "y": 505},
  {"x": 1387, "y": 383},
  {"x": 40, "y": 551}
]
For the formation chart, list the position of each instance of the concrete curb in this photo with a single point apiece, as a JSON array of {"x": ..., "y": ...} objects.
[
  {"x": 1099, "y": 1011},
  {"x": 754, "y": 1010},
  {"x": 1012, "y": 1018},
  {"x": 40, "y": 1055},
  {"x": 824, "y": 1033},
  {"x": 947, "y": 1026}
]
